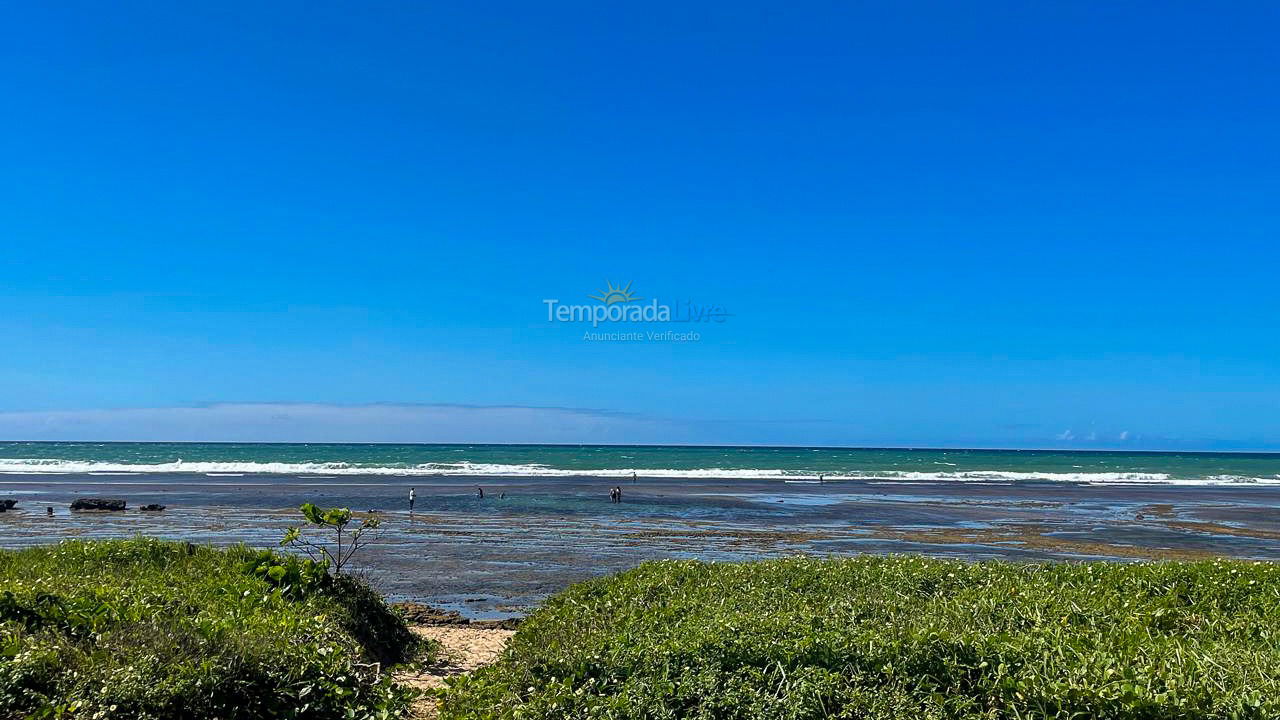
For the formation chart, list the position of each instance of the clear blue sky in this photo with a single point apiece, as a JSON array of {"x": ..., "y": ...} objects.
[{"x": 995, "y": 224}]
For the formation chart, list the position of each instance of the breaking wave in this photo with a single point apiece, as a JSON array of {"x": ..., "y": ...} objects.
[{"x": 76, "y": 467}]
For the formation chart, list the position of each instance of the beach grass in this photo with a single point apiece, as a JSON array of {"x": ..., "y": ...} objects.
[
  {"x": 895, "y": 637},
  {"x": 144, "y": 628}
]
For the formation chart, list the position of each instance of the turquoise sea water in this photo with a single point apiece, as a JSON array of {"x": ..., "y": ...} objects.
[
  {"x": 646, "y": 461},
  {"x": 545, "y": 518}
]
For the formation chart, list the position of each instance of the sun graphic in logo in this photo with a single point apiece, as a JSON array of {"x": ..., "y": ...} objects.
[{"x": 615, "y": 294}]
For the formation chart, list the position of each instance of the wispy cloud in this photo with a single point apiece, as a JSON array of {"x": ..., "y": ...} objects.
[
  {"x": 318, "y": 422},
  {"x": 442, "y": 423}
]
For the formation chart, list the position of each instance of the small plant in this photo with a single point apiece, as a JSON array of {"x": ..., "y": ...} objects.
[
  {"x": 338, "y": 554},
  {"x": 292, "y": 576}
]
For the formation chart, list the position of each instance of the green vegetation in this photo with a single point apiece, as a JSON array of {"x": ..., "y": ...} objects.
[
  {"x": 335, "y": 554},
  {"x": 898, "y": 637},
  {"x": 150, "y": 629}
]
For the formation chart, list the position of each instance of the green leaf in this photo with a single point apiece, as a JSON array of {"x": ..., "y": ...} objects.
[
  {"x": 312, "y": 513},
  {"x": 337, "y": 517}
]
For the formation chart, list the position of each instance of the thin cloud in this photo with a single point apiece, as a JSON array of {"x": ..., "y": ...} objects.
[
  {"x": 474, "y": 424},
  {"x": 319, "y": 422}
]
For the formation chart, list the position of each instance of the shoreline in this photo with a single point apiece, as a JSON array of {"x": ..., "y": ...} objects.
[{"x": 496, "y": 558}]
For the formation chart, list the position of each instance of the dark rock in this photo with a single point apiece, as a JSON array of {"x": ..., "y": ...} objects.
[
  {"x": 419, "y": 614},
  {"x": 8, "y": 504},
  {"x": 151, "y": 508},
  {"x": 504, "y": 624},
  {"x": 113, "y": 504}
]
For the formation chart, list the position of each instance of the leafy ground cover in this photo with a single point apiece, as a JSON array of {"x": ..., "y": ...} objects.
[
  {"x": 144, "y": 628},
  {"x": 897, "y": 637}
]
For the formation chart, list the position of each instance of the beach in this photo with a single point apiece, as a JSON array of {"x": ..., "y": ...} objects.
[{"x": 534, "y": 534}]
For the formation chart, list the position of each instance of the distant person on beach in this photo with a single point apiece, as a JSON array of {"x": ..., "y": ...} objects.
[
  {"x": 617, "y": 494},
  {"x": 412, "y": 497},
  {"x": 822, "y": 479},
  {"x": 480, "y": 492},
  {"x": 613, "y": 495},
  {"x": 633, "y": 477}
]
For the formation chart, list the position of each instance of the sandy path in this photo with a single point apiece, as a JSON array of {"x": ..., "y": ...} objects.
[{"x": 462, "y": 649}]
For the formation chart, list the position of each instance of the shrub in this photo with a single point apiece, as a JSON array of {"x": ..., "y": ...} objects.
[
  {"x": 900, "y": 637},
  {"x": 149, "y": 629},
  {"x": 335, "y": 553}
]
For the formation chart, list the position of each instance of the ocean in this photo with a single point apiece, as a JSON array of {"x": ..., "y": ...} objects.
[
  {"x": 782, "y": 463},
  {"x": 545, "y": 519}
]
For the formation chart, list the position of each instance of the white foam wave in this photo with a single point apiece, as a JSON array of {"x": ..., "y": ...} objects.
[
  {"x": 78, "y": 467},
  {"x": 1016, "y": 476},
  {"x": 88, "y": 467}
]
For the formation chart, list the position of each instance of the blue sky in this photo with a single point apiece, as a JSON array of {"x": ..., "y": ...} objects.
[{"x": 1003, "y": 224}]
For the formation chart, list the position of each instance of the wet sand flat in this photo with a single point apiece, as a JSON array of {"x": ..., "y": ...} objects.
[{"x": 531, "y": 537}]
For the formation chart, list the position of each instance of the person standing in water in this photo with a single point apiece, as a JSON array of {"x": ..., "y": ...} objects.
[
  {"x": 480, "y": 492},
  {"x": 412, "y": 496}
]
